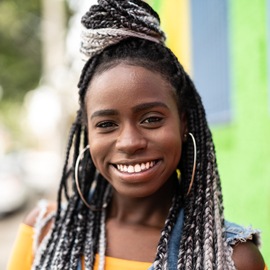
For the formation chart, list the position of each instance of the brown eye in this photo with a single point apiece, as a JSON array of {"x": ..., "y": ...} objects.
[
  {"x": 106, "y": 125},
  {"x": 152, "y": 122},
  {"x": 154, "y": 119}
]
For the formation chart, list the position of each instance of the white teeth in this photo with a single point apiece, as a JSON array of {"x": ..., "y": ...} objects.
[
  {"x": 130, "y": 169},
  {"x": 125, "y": 168},
  {"x": 135, "y": 168}
]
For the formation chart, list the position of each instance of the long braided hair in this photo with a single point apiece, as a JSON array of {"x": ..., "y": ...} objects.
[{"x": 76, "y": 229}]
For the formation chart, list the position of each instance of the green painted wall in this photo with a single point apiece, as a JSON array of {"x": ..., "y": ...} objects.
[{"x": 243, "y": 147}]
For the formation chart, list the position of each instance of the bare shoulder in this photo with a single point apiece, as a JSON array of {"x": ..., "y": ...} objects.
[
  {"x": 246, "y": 255},
  {"x": 30, "y": 219}
]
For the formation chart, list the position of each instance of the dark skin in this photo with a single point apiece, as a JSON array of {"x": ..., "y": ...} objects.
[
  {"x": 128, "y": 238},
  {"x": 133, "y": 120},
  {"x": 128, "y": 219},
  {"x": 122, "y": 131},
  {"x": 247, "y": 256}
]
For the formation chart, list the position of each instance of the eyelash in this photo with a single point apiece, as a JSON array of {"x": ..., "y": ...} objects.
[
  {"x": 155, "y": 118},
  {"x": 105, "y": 124},
  {"x": 148, "y": 122}
]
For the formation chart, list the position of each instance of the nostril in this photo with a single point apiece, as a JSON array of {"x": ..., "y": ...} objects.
[{"x": 131, "y": 145}]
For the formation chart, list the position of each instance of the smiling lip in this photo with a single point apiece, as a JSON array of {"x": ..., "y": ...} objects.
[{"x": 135, "y": 168}]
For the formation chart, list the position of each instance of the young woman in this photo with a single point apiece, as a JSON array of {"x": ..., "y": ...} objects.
[{"x": 142, "y": 188}]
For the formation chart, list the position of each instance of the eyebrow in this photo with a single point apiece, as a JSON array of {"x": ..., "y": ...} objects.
[
  {"x": 136, "y": 109},
  {"x": 149, "y": 105},
  {"x": 104, "y": 113}
]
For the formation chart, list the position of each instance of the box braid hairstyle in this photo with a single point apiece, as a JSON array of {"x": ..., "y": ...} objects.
[{"x": 128, "y": 31}]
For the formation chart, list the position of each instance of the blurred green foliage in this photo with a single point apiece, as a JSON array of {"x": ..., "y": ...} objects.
[{"x": 20, "y": 48}]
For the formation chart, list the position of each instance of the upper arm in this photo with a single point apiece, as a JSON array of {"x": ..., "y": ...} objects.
[
  {"x": 31, "y": 219},
  {"x": 246, "y": 255}
]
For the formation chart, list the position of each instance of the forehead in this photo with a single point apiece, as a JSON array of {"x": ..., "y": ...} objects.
[{"x": 130, "y": 80}]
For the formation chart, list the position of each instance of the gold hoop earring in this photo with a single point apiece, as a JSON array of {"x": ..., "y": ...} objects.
[
  {"x": 194, "y": 163},
  {"x": 178, "y": 174},
  {"x": 91, "y": 207}
]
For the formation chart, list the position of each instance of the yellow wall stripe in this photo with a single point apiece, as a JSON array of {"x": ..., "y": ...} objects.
[{"x": 176, "y": 22}]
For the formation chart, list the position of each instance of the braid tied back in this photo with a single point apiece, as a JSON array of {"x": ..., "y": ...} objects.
[{"x": 128, "y": 31}]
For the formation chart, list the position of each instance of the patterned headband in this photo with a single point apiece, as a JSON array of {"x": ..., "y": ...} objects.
[
  {"x": 111, "y": 21},
  {"x": 94, "y": 41}
]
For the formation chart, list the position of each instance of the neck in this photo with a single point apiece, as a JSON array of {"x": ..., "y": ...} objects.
[{"x": 147, "y": 211}]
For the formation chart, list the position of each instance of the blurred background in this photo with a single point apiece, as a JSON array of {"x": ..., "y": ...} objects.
[{"x": 224, "y": 46}]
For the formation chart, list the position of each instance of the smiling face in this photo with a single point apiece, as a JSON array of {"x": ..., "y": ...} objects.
[{"x": 134, "y": 129}]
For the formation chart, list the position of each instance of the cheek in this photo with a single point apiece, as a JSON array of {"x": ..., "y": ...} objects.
[
  {"x": 100, "y": 150},
  {"x": 97, "y": 159},
  {"x": 96, "y": 149},
  {"x": 175, "y": 150},
  {"x": 174, "y": 146}
]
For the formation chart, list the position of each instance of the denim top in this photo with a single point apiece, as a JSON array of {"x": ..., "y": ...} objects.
[{"x": 234, "y": 233}]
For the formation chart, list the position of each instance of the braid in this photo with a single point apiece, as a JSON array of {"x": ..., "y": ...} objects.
[
  {"x": 162, "y": 249},
  {"x": 208, "y": 240},
  {"x": 112, "y": 21},
  {"x": 125, "y": 15},
  {"x": 76, "y": 229}
]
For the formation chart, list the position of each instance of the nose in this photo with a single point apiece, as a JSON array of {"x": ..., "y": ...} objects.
[{"x": 130, "y": 140}]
